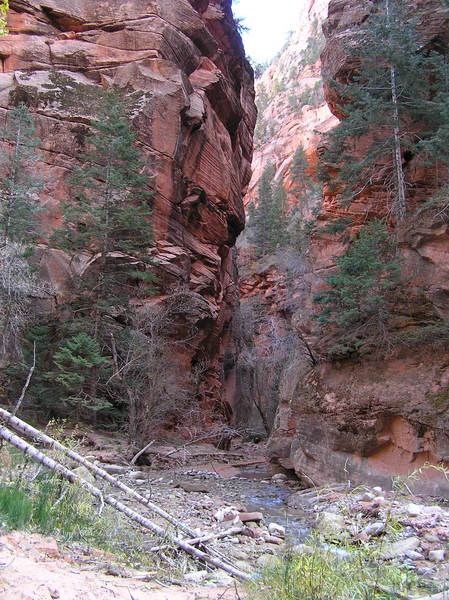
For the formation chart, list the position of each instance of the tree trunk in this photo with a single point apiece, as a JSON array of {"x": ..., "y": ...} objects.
[
  {"x": 49, "y": 463},
  {"x": 401, "y": 201}
]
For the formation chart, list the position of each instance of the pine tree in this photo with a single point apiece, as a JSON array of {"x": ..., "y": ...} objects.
[
  {"x": 259, "y": 213},
  {"x": 277, "y": 233},
  {"x": 356, "y": 306},
  {"x": 19, "y": 227},
  {"x": 19, "y": 190},
  {"x": 108, "y": 217},
  {"x": 385, "y": 104},
  {"x": 267, "y": 221},
  {"x": 107, "y": 222},
  {"x": 76, "y": 359}
]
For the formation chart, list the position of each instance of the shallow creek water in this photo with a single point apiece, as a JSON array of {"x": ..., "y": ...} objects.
[{"x": 253, "y": 489}]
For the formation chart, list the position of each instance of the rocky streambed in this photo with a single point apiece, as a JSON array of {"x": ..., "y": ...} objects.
[{"x": 273, "y": 517}]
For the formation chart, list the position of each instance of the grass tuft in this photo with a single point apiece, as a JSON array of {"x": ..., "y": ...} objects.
[{"x": 319, "y": 573}]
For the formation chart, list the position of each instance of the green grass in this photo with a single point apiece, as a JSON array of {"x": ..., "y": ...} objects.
[
  {"x": 49, "y": 505},
  {"x": 16, "y": 509},
  {"x": 321, "y": 575}
]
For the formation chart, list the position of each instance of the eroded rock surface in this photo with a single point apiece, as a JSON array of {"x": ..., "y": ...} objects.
[
  {"x": 378, "y": 417},
  {"x": 194, "y": 119}
]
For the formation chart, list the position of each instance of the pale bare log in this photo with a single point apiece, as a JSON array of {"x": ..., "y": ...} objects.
[
  {"x": 37, "y": 435},
  {"x": 27, "y": 383},
  {"x": 139, "y": 454},
  {"x": 207, "y": 538},
  {"x": 51, "y": 464}
]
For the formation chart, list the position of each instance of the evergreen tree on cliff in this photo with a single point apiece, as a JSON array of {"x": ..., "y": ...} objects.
[
  {"x": 267, "y": 221},
  {"x": 19, "y": 227},
  {"x": 385, "y": 107},
  {"x": 107, "y": 226}
]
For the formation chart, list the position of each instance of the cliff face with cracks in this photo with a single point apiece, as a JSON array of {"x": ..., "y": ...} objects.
[
  {"x": 194, "y": 122},
  {"x": 374, "y": 418}
]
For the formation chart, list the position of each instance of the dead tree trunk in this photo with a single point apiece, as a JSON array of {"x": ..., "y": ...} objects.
[
  {"x": 51, "y": 464},
  {"x": 401, "y": 202}
]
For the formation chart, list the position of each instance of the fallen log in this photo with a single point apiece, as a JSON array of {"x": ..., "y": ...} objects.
[
  {"x": 72, "y": 477},
  {"x": 441, "y": 596},
  {"x": 35, "y": 434},
  {"x": 249, "y": 463},
  {"x": 207, "y": 538}
]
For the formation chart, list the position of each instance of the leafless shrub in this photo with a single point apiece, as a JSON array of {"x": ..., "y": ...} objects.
[{"x": 19, "y": 285}]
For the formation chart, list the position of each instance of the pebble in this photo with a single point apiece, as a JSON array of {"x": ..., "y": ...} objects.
[
  {"x": 367, "y": 497},
  {"x": 239, "y": 554},
  {"x": 437, "y": 555},
  {"x": 413, "y": 555},
  {"x": 276, "y": 530},
  {"x": 265, "y": 561},
  {"x": 431, "y": 537},
  {"x": 413, "y": 510},
  {"x": 196, "y": 576},
  {"x": 227, "y": 513},
  {"x": 330, "y": 524},
  {"x": 378, "y": 490},
  {"x": 137, "y": 475},
  {"x": 400, "y": 548},
  {"x": 115, "y": 469},
  {"x": 221, "y": 578},
  {"x": 279, "y": 477},
  {"x": 85, "y": 474},
  {"x": 374, "y": 529},
  {"x": 250, "y": 517}
]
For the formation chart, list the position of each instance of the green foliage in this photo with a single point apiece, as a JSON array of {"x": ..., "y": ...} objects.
[
  {"x": 386, "y": 104},
  {"x": 267, "y": 221},
  {"x": 77, "y": 360},
  {"x": 300, "y": 167},
  {"x": 308, "y": 193},
  {"x": 314, "y": 46},
  {"x": 19, "y": 189},
  {"x": 4, "y": 7},
  {"x": 320, "y": 574},
  {"x": 16, "y": 509},
  {"x": 337, "y": 226},
  {"x": 356, "y": 306},
  {"x": 311, "y": 96},
  {"x": 109, "y": 216},
  {"x": 19, "y": 228}
]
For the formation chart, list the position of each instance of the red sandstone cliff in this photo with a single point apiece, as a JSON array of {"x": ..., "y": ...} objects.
[
  {"x": 195, "y": 124},
  {"x": 292, "y": 107},
  {"x": 374, "y": 418}
]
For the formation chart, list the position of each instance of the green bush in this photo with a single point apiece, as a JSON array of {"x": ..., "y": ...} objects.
[{"x": 356, "y": 307}]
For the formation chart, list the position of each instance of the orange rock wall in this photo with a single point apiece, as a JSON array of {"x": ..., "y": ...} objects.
[
  {"x": 376, "y": 418},
  {"x": 194, "y": 123}
]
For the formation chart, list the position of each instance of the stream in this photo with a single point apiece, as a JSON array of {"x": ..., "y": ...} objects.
[{"x": 252, "y": 488}]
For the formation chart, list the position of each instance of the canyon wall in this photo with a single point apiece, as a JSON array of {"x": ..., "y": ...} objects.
[
  {"x": 194, "y": 122},
  {"x": 376, "y": 417},
  {"x": 380, "y": 417}
]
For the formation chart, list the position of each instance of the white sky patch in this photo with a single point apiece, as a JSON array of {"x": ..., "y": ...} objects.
[{"x": 269, "y": 22}]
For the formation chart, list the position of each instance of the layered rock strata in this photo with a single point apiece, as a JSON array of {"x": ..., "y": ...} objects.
[
  {"x": 194, "y": 120},
  {"x": 375, "y": 418}
]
